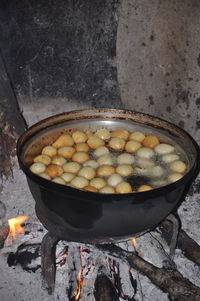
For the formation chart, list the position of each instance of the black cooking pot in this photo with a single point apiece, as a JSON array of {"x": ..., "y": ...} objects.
[{"x": 77, "y": 215}]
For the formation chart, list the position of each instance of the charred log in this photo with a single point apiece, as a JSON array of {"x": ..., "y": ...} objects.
[
  {"x": 104, "y": 289},
  {"x": 4, "y": 231},
  {"x": 169, "y": 281}
]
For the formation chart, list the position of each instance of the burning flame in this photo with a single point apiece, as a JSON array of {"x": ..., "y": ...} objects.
[
  {"x": 133, "y": 240},
  {"x": 15, "y": 226},
  {"x": 80, "y": 284}
]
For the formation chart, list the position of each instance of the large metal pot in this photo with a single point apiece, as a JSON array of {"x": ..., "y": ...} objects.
[{"x": 78, "y": 215}]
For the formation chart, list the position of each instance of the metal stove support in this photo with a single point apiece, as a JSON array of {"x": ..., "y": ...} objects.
[{"x": 48, "y": 261}]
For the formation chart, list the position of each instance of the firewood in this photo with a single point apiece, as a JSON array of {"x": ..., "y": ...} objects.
[
  {"x": 104, "y": 289},
  {"x": 169, "y": 281}
]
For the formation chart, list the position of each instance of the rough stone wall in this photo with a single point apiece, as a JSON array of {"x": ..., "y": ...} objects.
[{"x": 158, "y": 51}]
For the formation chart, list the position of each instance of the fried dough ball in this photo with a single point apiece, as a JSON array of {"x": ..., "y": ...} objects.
[
  {"x": 91, "y": 163},
  {"x": 91, "y": 188},
  {"x": 105, "y": 160},
  {"x": 120, "y": 134},
  {"x": 79, "y": 182},
  {"x": 67, "y": 176},
  {"x": 66, "y": 151},
  {"x": 174, "y": 177},
  {"x": 95, "y": 142},
  {"x": 132, "y": 146},
  {"x": 117, "y": 143},
  {"x": 164, "y": 148},
  {"x": 89, "y": 133},
  {"x": 59, "y": 180},
  {"x": 159, "y": 183},
  {"x": 107, "y": 189},
  {"x": 114, "y": 179},
  {"x": 79, "y": 137},
  {"x": 168, "y": 158},
  {"x": 37, "y": 168},
  {"x": 54, "y": 170},
  {"x": 156, "y": 172},
  {"x": 87, "y": 172},
  {"x": 58, "y": 160},
  {"x": 63, "y": 140},
  {"x": 150, "y": 141},
  {"x": 82, "y": 147},
  {"x": 142, "y": 171},
  {"x": 105, "y": 171},
  {"x": 124, "y": 170},
  {"x": 100, "y": 151},
  {"x": 71, "y": 167},
  {"x": 125, "y": 159},
  {"x": 145, "y": 163},
  {"x": 42, "y": 159},
  {"x": 49, "y": 150},
  {"x": 144, "y": 188},
  {"x": 145, "y": 152},
  {"x": 103, "y": 134},
  {"x": 123, "y": 187},
  {"x": 44, "y": 175},
  {"x": 98, "y": 183},
  {"x": 137, "y": 136},
  {"x": 80, "y": 157},
  {"x": 178, "y": 166}
]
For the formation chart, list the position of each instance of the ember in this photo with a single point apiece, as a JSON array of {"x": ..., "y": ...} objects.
[{"x": 79, "y": 279}]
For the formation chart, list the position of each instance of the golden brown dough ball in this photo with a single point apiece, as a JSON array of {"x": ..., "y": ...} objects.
[
  {"x": 54, "y": 170},
  {"x": 58, "y": 180},
  {"x": 79, "y": 137},
  {"x": 87, "y": 172},
  {"x": 63, "y": 140},
  {"x": 91, "y": 188},
  {"x": 105, "y": 170},
  {"x": 125, "y": 159},
  {"x": 114, "y": 179},
  {"x": 67, "y": 176},
  {"x": 178, "y": 166},
  {"x": 79, "y": 182},
  {"x": 150, "y": 141},
  {"x": 132, "y": 146},
  {"x": 71, "y": 167},
  {"x": 117, "y": 143},
  {"x": 145, "y": 152},
  {"x": 107, "y": 189},
  {"x": 91, "y": 163},
  {"x": 49, "y": 150},
  {"x": 42, "y": 159},
  {"x": 88, "y": 133},
  {"x": 58, "y": 160},
  {"x": 144, "y": 188},
  {"x": 82, "y": 147},
  {"x": 105, "y": 160},
  {"x": 137, "y": 136},
  {"x": 100, "y": 151},
  {"x": 120, "y": 134},
  {"x": 123, "y": 187},
  {"x": 124, "y": 170},
  {"x": 66, "y": 151},
  {"x": 44, "y": 176},
  {"x": 80, "y": 157},
  {"x": 174, "y": 177},
  {"x": 103, "y": 134},
  {"x": 37, "y": 168},
  {"x": 95, "y": 142},
  {"x": 98, "y": 183}
]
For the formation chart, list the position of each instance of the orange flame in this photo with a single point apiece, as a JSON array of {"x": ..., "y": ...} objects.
[
  {"x": 133, "y": 240},
  {"x": 15, "y": 226},
  {"x": 80, "y": 284}
]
